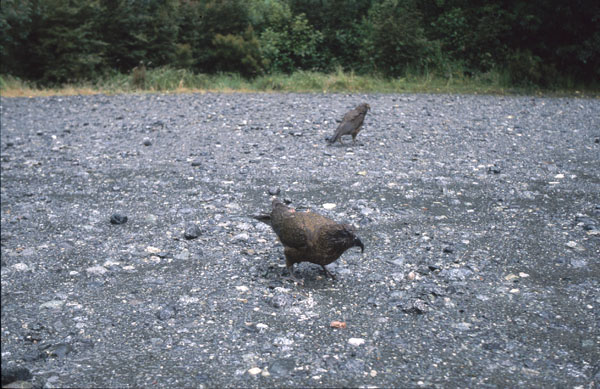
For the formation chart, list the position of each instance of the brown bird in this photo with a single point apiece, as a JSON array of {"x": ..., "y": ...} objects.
[
  {"x": 309, "y": 237},
  {"x": 351, "y": 123}
]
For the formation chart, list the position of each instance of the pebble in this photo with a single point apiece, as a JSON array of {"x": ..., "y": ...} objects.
[
  {"x": 356, "y": 341},
  {"x": 96, "y": 270},
  {"x": 182, "y": 256},
  {"x": 282, "y": 367},
  {"x": 147, "y": 142},
  {"x": 20, "y": 266},
  {"x": 254, "y": 371},
  {"x": 243, "y": 237},
  {"x": 329, "y": 205},
  {"x": 192, "y": 231},
  {"x": 273, "y": 191},
  {"x": 118, "y": 218},
  {"x": 197, "y": 162}
]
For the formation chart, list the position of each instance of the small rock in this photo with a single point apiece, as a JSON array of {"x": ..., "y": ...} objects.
[
  {"x": 329, "y": 205},
  {"x": 242, "y": 288},
  {"x": 166, "y": 313},
  {"x": 192, "y": 231},
  {"x": 356, "y": 341},
  {"x": 117, "y": 218},
  {"x": 147, "y": 142},
  {"x": 20, "y": 266},
  {"x": 182, "y": 256},
  {"x": 18, "y": 385},
  {"x": 52, "y": 304},
  {"x": 571, "y": 244},
  {"x": 273, "y": 191},
  {"x": 59, "y": 350},
  {"x": 254, "y": 371},
  {"x": 281, "y": 367},
  {"x": 96, "y": 270},
  {"x": 416, "y": 306},
  {"x": 15, "y": 374},
  {"x": 448, "y": 249},
  {"x": 243, "y": 237},
  {"x": 280, "y": 300},
  {"x": 197, "y": 162}
]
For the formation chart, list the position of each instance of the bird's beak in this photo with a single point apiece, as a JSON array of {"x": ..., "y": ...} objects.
[{"x": 358, "y": 243}]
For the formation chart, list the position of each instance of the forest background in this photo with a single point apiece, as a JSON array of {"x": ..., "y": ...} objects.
[{"x": 526, "y": 43}]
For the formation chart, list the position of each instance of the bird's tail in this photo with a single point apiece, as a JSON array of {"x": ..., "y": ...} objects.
[
  {"x": 333, "y": 138},
  {"x": 263, "y": 218}
]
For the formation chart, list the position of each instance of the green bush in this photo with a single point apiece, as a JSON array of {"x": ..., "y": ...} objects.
[
  {"x": 395, "y": 38},
  {"x": 292, "y": 46}
]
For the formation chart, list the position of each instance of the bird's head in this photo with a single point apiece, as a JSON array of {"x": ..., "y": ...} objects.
[
  {"x": 358, "y": 243},
  {"x": 364, "y": 107},
  {"x": 351, "y": 238}
]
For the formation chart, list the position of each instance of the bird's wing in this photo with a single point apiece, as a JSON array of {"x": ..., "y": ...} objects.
[
  {"x": 351, "y": 116},
  {"x": 291, "y": 230}
]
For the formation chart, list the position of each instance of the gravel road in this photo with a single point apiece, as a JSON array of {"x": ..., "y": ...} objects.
[{"x": 480, "y": 217}]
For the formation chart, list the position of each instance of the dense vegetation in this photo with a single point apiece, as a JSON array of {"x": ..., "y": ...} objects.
[{"x": 532, "y": 42}]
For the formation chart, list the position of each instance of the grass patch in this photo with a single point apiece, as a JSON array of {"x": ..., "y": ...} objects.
[{"x": 183, "y": 81}]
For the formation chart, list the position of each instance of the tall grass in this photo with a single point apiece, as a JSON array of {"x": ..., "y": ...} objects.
[{"x": 166, "y": 79}]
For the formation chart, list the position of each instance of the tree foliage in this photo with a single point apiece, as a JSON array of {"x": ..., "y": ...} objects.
[{"x": 534, "y": 41}]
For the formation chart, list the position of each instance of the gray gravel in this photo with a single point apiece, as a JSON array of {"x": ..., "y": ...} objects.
[{"x": 129, "y": 259}]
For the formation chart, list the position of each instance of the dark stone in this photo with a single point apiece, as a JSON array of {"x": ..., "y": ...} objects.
[
  {"x": 416, "y": 306},
  {"x": 282, "y": 367},
  {"x": 192, "y": 231},
  {"x": 448, "y": 249},
  {"x": 197, "y": 162},
  {"x": 117, "y": 218},
  {"x": 273, "y": 191},
  {"x": 280, "y": 300},
  {"x": 147, "y": 142},
  {"x": 166, "y": 313},
  {"x": 16, "y": 373},
  {"x": 588, "y": 223},
  {"x": 494, "y": 170},
  {"x": 59, "y": 350}
]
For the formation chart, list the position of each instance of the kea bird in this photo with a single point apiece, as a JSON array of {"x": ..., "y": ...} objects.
[
  {"x": 351, "y": 123},
  {"x": 309, "y": 237}
]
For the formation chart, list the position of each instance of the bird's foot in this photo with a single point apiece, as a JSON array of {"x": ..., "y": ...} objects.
[
  {"x": 293, "y": 279},
  {"x": 328, "y": 273}
]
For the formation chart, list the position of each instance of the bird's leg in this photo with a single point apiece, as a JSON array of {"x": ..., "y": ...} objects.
[
  {"x": 327, "y": 272},
  {"x": 292, "y": 277}
]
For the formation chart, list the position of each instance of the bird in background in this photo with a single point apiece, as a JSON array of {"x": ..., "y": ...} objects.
[
  {"x": 351, "y": 124},
  {"x": 309, "y": 237}
]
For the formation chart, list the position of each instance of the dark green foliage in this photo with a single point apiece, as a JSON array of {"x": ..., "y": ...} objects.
[
  {"x": 291, "y": 46},
  {"x": 238, "y": 53},
  {"x": 534, "y": 42},
  {"x": 395, "y": 38}
]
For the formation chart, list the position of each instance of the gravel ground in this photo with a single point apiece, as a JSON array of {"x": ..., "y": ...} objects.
[{"x": 480, "y": 217}]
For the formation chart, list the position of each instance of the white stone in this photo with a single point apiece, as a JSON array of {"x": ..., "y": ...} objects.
[
  {"x": 20, "y": 266},
  {"x": 52, "y": 304},
  {"x": 329, "y": 205},
  {"x": 356, "y": 341},
  {"x": 254, "y": 370},
  {"x": 241, "y": 288},
  {"x": 99, "y": 270}
]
